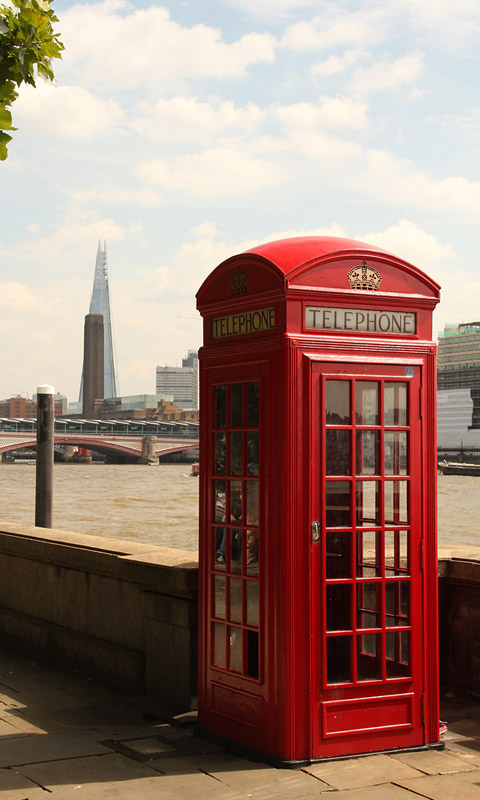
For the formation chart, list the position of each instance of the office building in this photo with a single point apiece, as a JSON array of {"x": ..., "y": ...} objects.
[{"x": 180, "y": 382}]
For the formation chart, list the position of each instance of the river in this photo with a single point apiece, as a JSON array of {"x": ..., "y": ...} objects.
[{"x": 159, "y": 505}]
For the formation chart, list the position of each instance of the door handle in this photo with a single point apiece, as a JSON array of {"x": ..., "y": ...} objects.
[{"x": 315, "y": 531}]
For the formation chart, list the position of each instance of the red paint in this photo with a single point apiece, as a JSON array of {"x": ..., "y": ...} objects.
[{"x": 339, "y": 654}]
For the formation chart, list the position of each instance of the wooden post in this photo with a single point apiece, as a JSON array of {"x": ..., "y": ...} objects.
[{"x": 44, "y": 468}]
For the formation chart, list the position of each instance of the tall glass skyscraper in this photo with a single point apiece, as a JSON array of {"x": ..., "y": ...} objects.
[{"x": 100, "y": 304}]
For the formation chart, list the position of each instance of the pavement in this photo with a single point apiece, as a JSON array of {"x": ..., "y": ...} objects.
[{"x": 64, "y": 734}]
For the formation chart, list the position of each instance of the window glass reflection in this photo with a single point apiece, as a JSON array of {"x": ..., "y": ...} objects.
[
  {"x": 220, "y": 453},
  {"x": 219, "y": 501},
  {"x": 338, "y": 555},
  {"x": 366, "y": 403},
  {"x": 252, "y": 603},
  {"x": 252, "y": 502},
  {"x": 252, "y": 552},
  {"x": 338, "y": 504},
  {"x": 219, "y": 587},
  {"x": 339, "y": 607},
  {"x": 236, "y": 405},
  {"x": 235, "y": 550},
  {"x": 396, "y": 455},
  {"x": 235, "y": 614},
  {"x": 338, "y": 452},
  {"x": 220, "y": 406},
  {"x": 337, "y": 402},
  {"x": 252, "y": 453},
  {"x": 236, "y": 502},
  {"x": 395, "y": 402},
  {"x": 368, "y": 595},
  {"x": 219, "y": 642},
  {"x": 368, "y": 503},
  {"x": 396, "y": 552},
  {"x": 253, "y": 405},
  {"x": 236, "y": 649},
  {"x": 369, "y": 664},
  {"x": 235, "y": 456},
  {"x": 396, "y": 502},
  {"x": 367, "y": 453},
  {"x": 339, "y": 659},
  {"x": 219, "y": 555},
  {"x": 368, "y": 564}
]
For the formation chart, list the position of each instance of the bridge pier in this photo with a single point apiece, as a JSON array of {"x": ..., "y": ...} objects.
[{"x": 149, "y": 444}]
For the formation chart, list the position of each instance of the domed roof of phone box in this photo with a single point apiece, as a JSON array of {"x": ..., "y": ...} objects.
[{"x": 320, "y": 262}]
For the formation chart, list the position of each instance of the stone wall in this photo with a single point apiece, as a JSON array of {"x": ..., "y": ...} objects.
[
  {"x": 126, "y": 612},
  {"x": 122, "y": 612}
]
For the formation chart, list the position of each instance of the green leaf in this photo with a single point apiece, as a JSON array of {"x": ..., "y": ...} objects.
[{"x": 4, "y": 139}]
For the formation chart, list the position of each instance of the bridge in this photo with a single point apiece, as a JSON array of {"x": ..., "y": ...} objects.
[{"x": 129, "y": 440}]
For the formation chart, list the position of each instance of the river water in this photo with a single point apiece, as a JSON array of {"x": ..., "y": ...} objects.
[{"x": 159, "y": 505}]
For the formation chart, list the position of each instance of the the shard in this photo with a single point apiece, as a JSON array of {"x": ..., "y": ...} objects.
[{"x": 100, "y": 304}]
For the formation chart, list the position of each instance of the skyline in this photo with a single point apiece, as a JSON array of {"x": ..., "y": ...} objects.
[{"x": 183, "y": 133}]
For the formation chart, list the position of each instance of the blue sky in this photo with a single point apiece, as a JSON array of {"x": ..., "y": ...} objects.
[{"x": 184, "y": 132}]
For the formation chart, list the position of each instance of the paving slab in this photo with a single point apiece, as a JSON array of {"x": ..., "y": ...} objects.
[
  {"x": 387, "y": 791},
  {"x": 249, "y": 778},
  {"x": 446, "y": 787},
  {"x": 433, "y": 762},
  {"x": 353, "y": 773},
  {"x": 14, "y": 786}
]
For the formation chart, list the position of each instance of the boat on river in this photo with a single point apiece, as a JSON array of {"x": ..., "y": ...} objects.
[{"x": 458, "y": 468}]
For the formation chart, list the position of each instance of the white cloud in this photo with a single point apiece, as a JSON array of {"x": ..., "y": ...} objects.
[
  {"x": 187, "y": 119},
  {"x": 410, "y": 242},
  {"x": 113, "y": 45},
  {"x": 273, "y": 10},
  {"x": 17, "y": 297},
  {"x": 387, "y": 75},
  {"x": 329, "y": 112},
  {"x": 217, "y": 172},
  {"x": 113, "y": 195},
  {"x": 338, "y": 27},
  {"x": 335, "y": 64},
  {"x": 68, "y": 111}
]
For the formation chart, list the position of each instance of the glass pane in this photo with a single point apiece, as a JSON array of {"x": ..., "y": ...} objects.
[
  {"x": 368, "y": 605},
  {"x": 235, "y": 456},
  {"x": 219, "y": 596},
  {"x": 337, "y": 402},
  {"x": 219, "y": 501},
  {"x": 220, "y": 453},
  {"x": 339, "y": 659},
  {"x": 369, "y": 664},
  {"x": 220, "y": 406},
  {"x": 236, "y": 506},
  {"x": 397, "y": 604},
  {"x": 368, "y": 564},
  {"x": 396, "y": 502},
  {"x": 219, "y": 641},
  {"x": 235, "y": 551},
  {"x": 252, "y": 503},
  {"x": 252, "y": 453},
  {"x": 396, "y": 454},
  {"x": 219, "y": 534},
  {"x": 398, "y": 654},
  {"x": 367, "y": 453},
  {"x": 253, "y": 390},
  {"x": 366, "y": 403},
  {"x": 252, "y": 552},
  {"x": 252, "y": 637},
  {"x": 236, "y": 405},
  {"x": 236, "y": 650},
  {"x": 368, "y": 502},
  {"x": 338, "y": 452},
  {"x": 338, "y": 504},
  {"x": 235, "y": 600},
  {"x": 395, "y": 402},
  {"x": 396, "y": 552},
  {"x": 338, "y": 557},
  {"x": 339, "y": 607},
  {"x": 252, "y": 603}
]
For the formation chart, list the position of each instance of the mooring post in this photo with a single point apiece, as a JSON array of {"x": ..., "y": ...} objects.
[{"x": 44, "y": 469}]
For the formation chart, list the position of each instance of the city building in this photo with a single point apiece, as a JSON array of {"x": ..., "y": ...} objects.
[
  {"x": 458, "y": 392},
  {"x": 100, "y": 304},
  {"x": 19, "y": 407},
  {"x": 181, "y": 382}
]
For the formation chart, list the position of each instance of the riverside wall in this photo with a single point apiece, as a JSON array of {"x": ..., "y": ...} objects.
[{"x": 126, "y": 612}]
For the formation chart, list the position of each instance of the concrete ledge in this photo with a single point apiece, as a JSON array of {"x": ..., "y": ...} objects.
[{"x": 122, "y": 611}]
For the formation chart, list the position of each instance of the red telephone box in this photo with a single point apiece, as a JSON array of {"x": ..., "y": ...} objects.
[{"x": 318, "y": 578}]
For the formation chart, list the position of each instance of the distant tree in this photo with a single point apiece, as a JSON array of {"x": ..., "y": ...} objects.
[{"x": 27, "y": 47}]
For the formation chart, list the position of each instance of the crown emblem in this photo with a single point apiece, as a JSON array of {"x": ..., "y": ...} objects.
[
  {"x": 239, "y": 283},
  {"x": 364, "y": 277}
]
